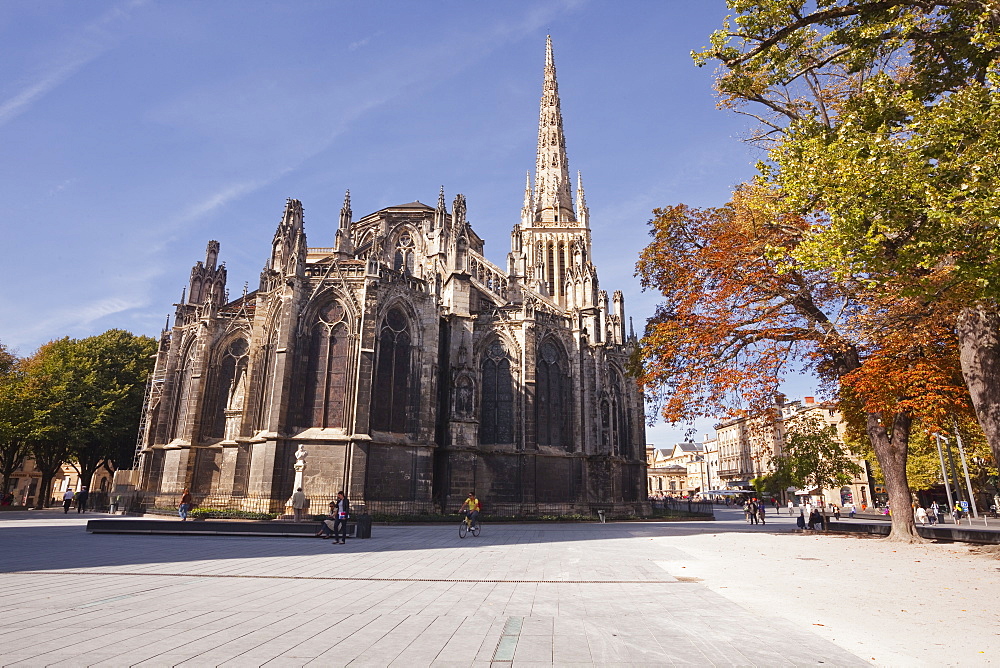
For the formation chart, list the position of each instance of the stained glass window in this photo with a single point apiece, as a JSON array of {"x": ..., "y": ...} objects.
[
  {"x": 496, "y": 419},
  {"x": 552, "y": 392},
  {"x": 326, "y": 372},
  {"x": 392, "y": 374}
]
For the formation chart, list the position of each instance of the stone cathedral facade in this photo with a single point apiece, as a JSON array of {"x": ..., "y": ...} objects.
[{"x": 406, "y": 365}]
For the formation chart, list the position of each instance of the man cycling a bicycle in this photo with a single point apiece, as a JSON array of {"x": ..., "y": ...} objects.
[{"x": 472, "y": 503}]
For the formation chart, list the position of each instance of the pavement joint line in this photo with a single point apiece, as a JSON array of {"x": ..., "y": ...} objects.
[{"x": 346, "y": 579}]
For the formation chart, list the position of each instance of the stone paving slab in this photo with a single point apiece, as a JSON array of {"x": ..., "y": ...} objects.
[{"x": 564, "y": 595}]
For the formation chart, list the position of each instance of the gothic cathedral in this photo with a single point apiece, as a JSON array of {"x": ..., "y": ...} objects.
[{"x": 408, "y": 367}]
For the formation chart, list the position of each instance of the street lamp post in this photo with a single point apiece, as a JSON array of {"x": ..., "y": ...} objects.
[
  {"x": 944, "y": 473},
  {"x": 965, "y": 468}
]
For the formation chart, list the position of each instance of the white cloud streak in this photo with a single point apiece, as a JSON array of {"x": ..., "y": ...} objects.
[
  {"x": 367, "y": 94},
  {"x": 73, "y": 321},
  {"x": 91, "y": 41}
]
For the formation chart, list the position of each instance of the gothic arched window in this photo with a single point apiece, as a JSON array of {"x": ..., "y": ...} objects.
[
  {"x": 227, "y": 390},
  {"x": 552, "y": 392},
  {"x": 496, "y": 416},
  {"x": 182, "y": 388},
  {"x": 622, "y": 424},
  {"x": 390, "y": 400},
  {"x": 606, "y": 431},
  {"x": 264, "y": 378},
  {"x": 403, "y": 258},
  {"x": 326, "y": 370}
]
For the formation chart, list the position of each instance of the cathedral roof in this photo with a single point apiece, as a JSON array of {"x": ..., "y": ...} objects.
[{"x": 412, "y": 205}]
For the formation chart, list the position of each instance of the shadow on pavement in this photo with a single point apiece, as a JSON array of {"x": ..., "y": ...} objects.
[{"x": 55, "y": 542}]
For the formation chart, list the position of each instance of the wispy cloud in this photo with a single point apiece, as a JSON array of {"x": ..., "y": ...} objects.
[
  {"x": 75, "y": 320},
  {"x": 341, "y": 104},
  {"x": 224, "y": 196},
  {"x": 91, "y": 41},
  {"x": 354, "y": 46},
  {"x": 59, "y": 187}
]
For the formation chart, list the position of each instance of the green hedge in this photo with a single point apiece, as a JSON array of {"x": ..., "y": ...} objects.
[{"x": 228, "y": 514}]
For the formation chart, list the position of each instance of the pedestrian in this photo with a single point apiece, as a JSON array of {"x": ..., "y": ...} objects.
[
  {"x": 836, "y": 512},
  {"x": 299, "y": 503},
  {"x": 854, "y": 511},
  {"x": 932, "y": 512},
  {"x": 81, "y": 500},
  {"x": 185, "y": 506},
  {"x": 921, "y": 515},
  {"x": 814, "y": 519},
  {"x": 958, "y": 512},
  {"x": 67, "y": 500},
  {"x": 800, "y": 521},
  {"x": 791, "y": 508},
  {"x": 326, "y": 526},
  {"x": 342, "y": 513},
  {"x": 760, "y": 512}
]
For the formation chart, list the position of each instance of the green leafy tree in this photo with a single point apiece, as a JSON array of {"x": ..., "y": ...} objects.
[
  {"x": 773, "y": 484},
  {"x": 15, "y": 414},
  {"x": 923, "y": 468},
  {"x": 52, "y": 411},
  {"x": 109, "y": 372},
  {"x": 814, "y": 456},
  {"x": 87, "y": 397}
]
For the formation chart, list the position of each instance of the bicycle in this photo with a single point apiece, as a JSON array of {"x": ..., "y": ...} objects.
[{"x": 465, "y": 526}]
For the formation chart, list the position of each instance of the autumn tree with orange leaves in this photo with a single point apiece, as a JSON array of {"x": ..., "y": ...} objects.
[{"x": 739, "y": 316}]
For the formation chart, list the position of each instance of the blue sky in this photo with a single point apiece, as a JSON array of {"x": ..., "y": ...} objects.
[{"x": 132, "y": 132}]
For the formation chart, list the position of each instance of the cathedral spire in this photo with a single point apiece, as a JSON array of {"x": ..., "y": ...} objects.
[{"x": 553, "y": 201}]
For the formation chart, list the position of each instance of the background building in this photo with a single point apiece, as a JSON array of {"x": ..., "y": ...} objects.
[
  {"x": 680, "y": 470},
  {"x": 745, "y": 448}
]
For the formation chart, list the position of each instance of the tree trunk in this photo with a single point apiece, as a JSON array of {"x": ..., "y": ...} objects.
[
  {"x": 891, "y": 452},
  {"x": 11, "y": 457},
  {"x": 49, "y": 456},
  {"x": 87, "y": 472},
  {"x": 979, "y": 347},
  {"x": 45, "y": 490}
]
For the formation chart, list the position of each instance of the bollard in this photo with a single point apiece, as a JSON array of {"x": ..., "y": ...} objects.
[{"x": 363, "y": 526}]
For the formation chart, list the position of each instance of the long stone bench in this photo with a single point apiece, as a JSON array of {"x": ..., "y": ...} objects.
[
  {"x": 209, "y": 527},
  {"x": 937, "y": 532}
]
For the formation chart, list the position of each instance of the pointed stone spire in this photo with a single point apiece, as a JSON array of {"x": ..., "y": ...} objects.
[
  {"x": 528, "y": 209},
  {"x": 582, "y": 212},
  {"x": 345, "y": 212},
  {"x": 553, "y": 201},
  {"x": 440, "y": 212}
]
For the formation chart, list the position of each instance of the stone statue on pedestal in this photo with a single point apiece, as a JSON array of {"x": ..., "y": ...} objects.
[{"x": 300, "y": 466}]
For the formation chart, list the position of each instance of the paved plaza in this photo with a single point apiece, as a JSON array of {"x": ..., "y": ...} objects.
[{"x": 532, "y": 594}]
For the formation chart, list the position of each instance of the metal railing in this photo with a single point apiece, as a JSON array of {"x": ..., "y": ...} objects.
[
  {"x": 672, "y": 505},
  {"x": 319, "y": 504}
]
